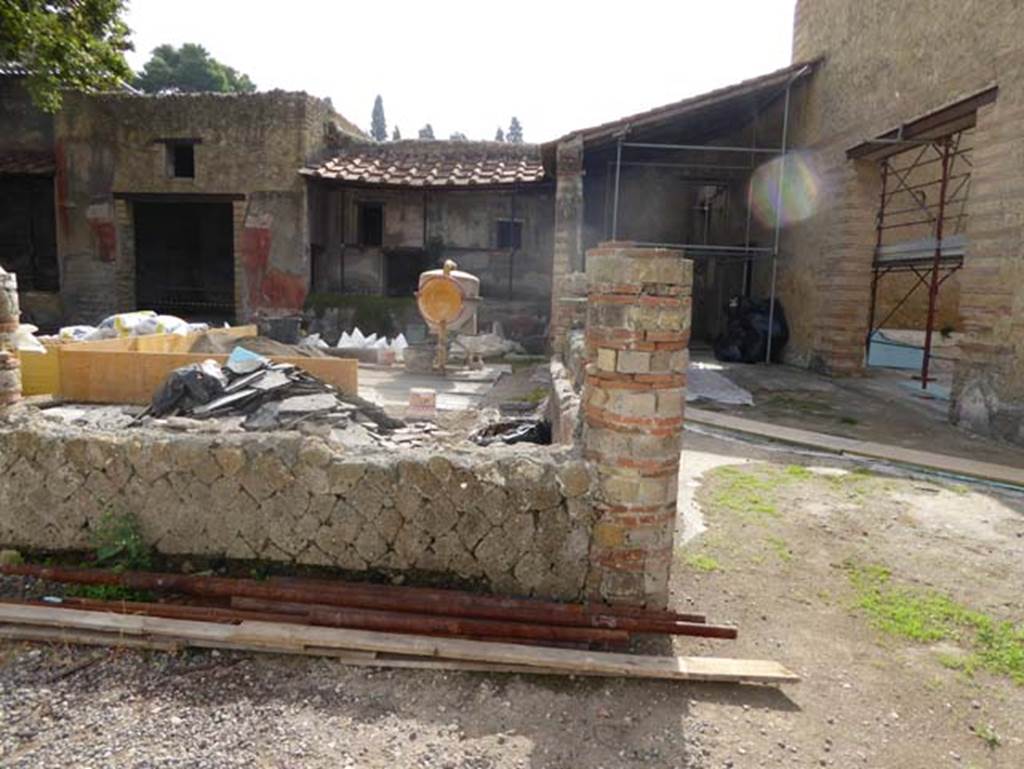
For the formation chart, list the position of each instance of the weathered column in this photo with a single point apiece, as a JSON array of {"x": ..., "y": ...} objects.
[
  {"x": 638, "y": 328},
  {"x": 10, "y": 373},
  {"x": 568, "y": 236}
]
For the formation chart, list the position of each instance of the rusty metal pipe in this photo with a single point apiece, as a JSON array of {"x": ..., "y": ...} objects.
[
  {"x": 530, "y": 609},
  {"x": 431, "y": 624},
  {"x": 170, "y": 610},
  {"x": 360, "y": 597}
]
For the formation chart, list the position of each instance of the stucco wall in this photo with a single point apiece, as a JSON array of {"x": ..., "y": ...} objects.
[
  {"x": 518, "y": 520},
  {"x": 463, "y": 224},
  {"x": 250, "y": 147},
  {"x": 886, "y": 63}
]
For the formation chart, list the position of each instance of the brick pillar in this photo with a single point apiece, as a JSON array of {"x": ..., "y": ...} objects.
[
  {"x": 638, "y": 328},
  {"x": 568, "y": 238}
]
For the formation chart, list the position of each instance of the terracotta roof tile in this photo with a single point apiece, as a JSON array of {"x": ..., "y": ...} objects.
[{"x": 417, "y": 163}]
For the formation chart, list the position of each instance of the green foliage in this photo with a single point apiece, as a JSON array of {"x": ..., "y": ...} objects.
[
  {"x": 76, "y": 44},
  {"x": 927, "y": 616},
  {"x": 427, "y": 132},
  {"x": 378, "y": 125},
  {"x": 780, "y": 548},
  {"x": 515, "y": 132},
  {"x": 381, "y": 315},
  {"x": 749, "y": 495},
  {"x": 702, "y": 562},
  {"x": 499, "y": 135},
  {"x": 396, "y": 135},
  {"x": 189, "y": 69},
  {"x": 987, "y": 734},
  {"x": 119, "y": 543}
]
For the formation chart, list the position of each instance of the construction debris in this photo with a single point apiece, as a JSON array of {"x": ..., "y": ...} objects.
[
  {"x": 269, "y": 395},
  {"x": 306, "y": 616}
]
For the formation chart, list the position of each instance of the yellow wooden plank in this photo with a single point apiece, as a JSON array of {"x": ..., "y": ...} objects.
[
  {"x": 116, "y": 376},
  {"x": 926, "y": 459},
  {"x": 40, "y": 372}
]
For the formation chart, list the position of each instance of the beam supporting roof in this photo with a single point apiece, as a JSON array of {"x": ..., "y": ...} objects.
[{"x": 925, "y": 128}]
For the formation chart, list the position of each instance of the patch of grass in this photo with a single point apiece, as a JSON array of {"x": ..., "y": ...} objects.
[
  {"x": 928, "y": 616},
  {"x": 987, "y": 734},
  {"x": 798, "y": 472},
  {"x": 743, "y": 493},
  {"x": 848, "y": 420},
  {"x": 702, "y": 562},
  {"x": 780, "y": 548},
  {"x": 752, "y": 494}
]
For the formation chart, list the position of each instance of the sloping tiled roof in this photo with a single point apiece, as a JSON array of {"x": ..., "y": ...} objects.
[
  {"x": 26, "y": 163},
  {"x": 433, "y": 164},
  {"x": 754, "y": 88}
]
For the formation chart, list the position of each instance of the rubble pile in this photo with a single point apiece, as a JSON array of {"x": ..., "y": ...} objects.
[{"x": 270, "y": 396}]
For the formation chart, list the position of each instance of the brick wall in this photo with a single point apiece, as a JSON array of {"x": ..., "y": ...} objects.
[{"x": 884, "y": 64}]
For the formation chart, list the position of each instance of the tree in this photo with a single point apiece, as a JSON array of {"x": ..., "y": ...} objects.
[
  {"x": 458, "y": 136},
  {"x": 515, "y": 131},
  {"x": 499, "y": 135},
  {"x": 427, "y": 132},
  {"x": 378, "y": 126},
  {"x": 396, "y": 135},
  {"x": 76, "y": 44},
  {"x": 189, "y": 69}
]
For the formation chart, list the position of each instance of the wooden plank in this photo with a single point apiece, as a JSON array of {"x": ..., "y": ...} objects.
[
  {"x": 51, "y": 635},
  {"x": 119, "y": 376},
  {"x": 897, "y": 454},
  {"x": 268, "y": 635}
]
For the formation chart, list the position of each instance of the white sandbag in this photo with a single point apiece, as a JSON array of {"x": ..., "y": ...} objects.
[
  {"x": 75, "y": 333},
  {"x": 25, "y": 339}
]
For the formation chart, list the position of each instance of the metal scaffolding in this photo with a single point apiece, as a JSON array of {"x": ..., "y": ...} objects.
[
  {"x": 746, "y": 252},
  {"x": 940, "y": 167}
]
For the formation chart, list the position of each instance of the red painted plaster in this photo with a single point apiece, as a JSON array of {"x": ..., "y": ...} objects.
[
  {"x": 105, "y": 235},
  {"x": 269, "y": 288}
]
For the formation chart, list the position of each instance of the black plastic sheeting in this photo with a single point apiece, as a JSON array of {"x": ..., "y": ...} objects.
[
  {"x": 188, "y": 387},
  {"x": 514, "y": 431},
  {"x": 745, "y": 339}
]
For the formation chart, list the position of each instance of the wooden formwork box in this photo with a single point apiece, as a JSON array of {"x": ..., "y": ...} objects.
[{"x": 130, "y": 369}]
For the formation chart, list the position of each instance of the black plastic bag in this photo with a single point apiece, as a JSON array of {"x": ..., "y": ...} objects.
[
  {"x": 188, "y": 387},
  {"x": 745, "y": 338}
]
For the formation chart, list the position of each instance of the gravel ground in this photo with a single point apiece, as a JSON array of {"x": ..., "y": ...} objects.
[{"x": 101, "y": 708}]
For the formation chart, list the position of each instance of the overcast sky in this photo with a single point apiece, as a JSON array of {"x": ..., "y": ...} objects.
[{"x": 558, "y": 65}]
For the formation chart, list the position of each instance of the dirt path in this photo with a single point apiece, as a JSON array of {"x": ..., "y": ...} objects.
[
  {"x": 787, "y": 553},
  {"x": 830, "y": 571}
]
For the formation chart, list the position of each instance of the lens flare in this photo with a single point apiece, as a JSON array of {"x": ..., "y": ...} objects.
[{"x": 800, "y": 195}]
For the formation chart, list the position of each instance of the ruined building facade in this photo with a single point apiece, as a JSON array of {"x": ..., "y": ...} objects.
[{"x": 282, "y": 197}]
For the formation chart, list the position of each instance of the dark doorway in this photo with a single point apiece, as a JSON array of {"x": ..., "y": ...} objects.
[
  {"x": 402, "y": 270},
  {"x": 28, "y": 241},
  {"x": 184, "y": 259}
]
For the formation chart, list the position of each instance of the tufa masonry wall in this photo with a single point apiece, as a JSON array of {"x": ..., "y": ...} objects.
[{"x": 518, "y": 521}]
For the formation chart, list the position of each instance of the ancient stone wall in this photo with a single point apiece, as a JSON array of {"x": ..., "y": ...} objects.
[
  {"x": 518, "y": 520},
  {"x": 111, "y": 151},
  {"x": 885, "y": 64}
]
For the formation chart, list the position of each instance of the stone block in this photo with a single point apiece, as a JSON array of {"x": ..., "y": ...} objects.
[{"x": 633, "y": 362}]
